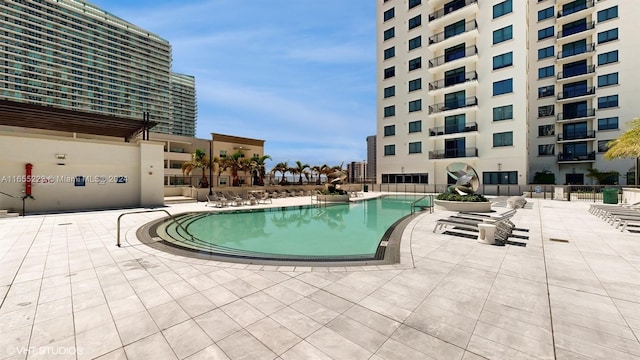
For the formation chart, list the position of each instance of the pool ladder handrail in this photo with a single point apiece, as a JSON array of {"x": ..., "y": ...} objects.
[
  {"x": 148, "y": 211},
  {"x": 414, "y": 204}
]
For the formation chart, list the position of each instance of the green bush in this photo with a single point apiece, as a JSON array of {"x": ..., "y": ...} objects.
[{"x": 458, "y": 197}]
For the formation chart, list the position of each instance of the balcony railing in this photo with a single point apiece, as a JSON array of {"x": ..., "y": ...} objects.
[
  {"x": 453, "y": 80},
  {"x": 453, "y": 153},
  {"x": 445, "y": 130},
  {"x": 578, "y": 7},
  {"x": 577, "y": 135},
  {"x": 576, "y": 114},
  {"x": 577, "y": 51},
  {"x": 577, "y": 157},
  {"x": 452, "y": 6},
  {"x": 454, "y": 104},
  {"x": 439, "y": 37},
  {"x": 582, "y": 71},
  {"x": 463, "y": 53},
  {"x": 576, "y": 29},
  {"x": 576, "y": 93}
]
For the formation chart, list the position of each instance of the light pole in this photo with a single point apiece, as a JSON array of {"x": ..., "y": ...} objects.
[{"x": 210, "y": 166}]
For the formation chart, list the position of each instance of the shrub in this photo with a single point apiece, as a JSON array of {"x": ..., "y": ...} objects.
[{"x": 458, "y": 197}]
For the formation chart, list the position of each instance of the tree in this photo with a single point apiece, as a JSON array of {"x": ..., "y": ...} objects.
[
  {"x": 199, "y": 159},
  {"x": 300, "y": 169},
  {"x": 258, "y": 168},
  {"x": 237, "y": 163},
  {"x": 282, "y": 167},
  {"x": 627, "y": 145},
  {"x": 603, "y": 177}
]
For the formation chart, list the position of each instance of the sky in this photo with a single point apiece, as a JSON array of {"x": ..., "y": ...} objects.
[{"x": 299, "y": 74}]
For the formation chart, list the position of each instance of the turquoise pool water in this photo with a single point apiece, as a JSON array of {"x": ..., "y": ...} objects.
[{"x": 352, "y": 231}]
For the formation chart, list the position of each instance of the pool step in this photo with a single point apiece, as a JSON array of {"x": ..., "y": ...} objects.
[
  {"x": 7, "y": 214},
  {"x": 179, "y": 199}
]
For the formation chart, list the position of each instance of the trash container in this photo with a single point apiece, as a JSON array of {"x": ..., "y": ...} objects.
[
  {"x": 365, "y": 188},
  {"x": 610, "y": 196}
]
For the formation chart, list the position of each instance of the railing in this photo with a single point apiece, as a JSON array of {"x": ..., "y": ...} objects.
[
  {"x": 453, "y": 153},
  {"x": 416, "y": 204},
  {"x": 148, "y": 211},
  {"x": 569, "y": 74},
  {"x": 589, "y": 134},
  {"x": 23, "y": 198},
  {"x": 455, "y": 104},
  {"x": 576, "y": 30},
  {"x": 576, "y": 115},
  {"x": 453, "y": 6},
  {"x": 579, "y": 7},
  {"x": 453, "y": 80},
  {"x": 577, "y": 157},
  {"x": 442, "y": 36},
  {"x": 576, "y": 93},
  {"x": 445, "y": 130},
  {"x": 576, "y": 51},
  {"x": 460, "y": 54}
]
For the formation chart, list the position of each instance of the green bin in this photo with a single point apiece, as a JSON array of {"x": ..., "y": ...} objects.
[{"x": 610, "y": 196}]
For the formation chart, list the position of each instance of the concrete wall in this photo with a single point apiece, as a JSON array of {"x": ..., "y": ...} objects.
[{"x": 116, "y": 174}]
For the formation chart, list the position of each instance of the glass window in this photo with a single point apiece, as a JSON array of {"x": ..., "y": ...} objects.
[
  {"x": 389, "y": 72},
  {"x": 415, "y": 84},
  {"x": 608, "y": 57},
  {"x": 415, "y": 43},
  {"x": 415, "y": 147},
  {"x": 546, "y": 52},
  {"x": 389, "y": 130},
  {"x": 500, "y": 177},
  {"x": 389, "y": 91},
  {"x": 415, "y": 63},
  {"x": 414, "y": 3},
  {"x": 504, "y": 34},
  {"x": 389, "y": 150},
  {"x": 415, "y": 105},
  {"x": 503, "y": 113},
  {"x": 608, "y": 79},
  {"x": 546, "y": 71},
  {"x": 548, "y": 149},
  {"x": 545, "y": 33},
  {"x": 603, "y": 145},
  {"x": 390, "y": 52},
  {"x": 610, "y": 123},
  {"x": 607, "y": 36},
  {"x": 546, "y": 130},
  {"x": 607, "y": 14},
  {"x": 415, "y": 126},
  {"x": 607, "y": 101},
  {"x": 389, "y": 33},
  {"x": 415, "y": 22},
  {"x": 546, "y": 13},
  {"x": 503, "y": 139},
  {"x": 502, "y": 87},
  {"x": 546, "y": 110},
  {"x": 502, "y": 8},
  {"x": 389, "y": 14},
  {"x": 390, "y": 111},
  {"x": 503, "y": 60},
  {"x": 545, "y": 91}
]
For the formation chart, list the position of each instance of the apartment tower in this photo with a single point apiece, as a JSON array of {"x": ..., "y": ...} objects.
[
  {"x": 184, "y": 109},
  {"x": 511, "y": 87}
]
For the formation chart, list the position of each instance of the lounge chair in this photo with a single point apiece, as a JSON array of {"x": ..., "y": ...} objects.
[
  {"x": 214, "y": 200},
  {"x": 471, "y": 222},
  {"x": 234, "y": 198}
]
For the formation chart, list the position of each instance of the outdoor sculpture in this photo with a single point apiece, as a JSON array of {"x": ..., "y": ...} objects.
[{"x": 466, "y": 177}]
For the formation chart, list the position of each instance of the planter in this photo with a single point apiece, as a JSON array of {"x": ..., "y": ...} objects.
[
  {"x": 463, "y": 205},
  {"x": 333, "y": 198}
]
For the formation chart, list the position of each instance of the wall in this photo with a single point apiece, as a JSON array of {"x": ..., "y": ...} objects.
[{"x": 116, "y": 174}]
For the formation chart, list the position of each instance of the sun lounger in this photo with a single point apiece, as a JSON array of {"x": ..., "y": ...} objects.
[
  {"x": 632, "y": 222},
  {"x": 471, "y": 222},
  {"x": 214, "y": 200}
]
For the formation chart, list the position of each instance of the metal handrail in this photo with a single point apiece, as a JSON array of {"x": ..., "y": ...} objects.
[
  {"x": 442, "y": 36},
  {"x": 445, "y": 130},
  {"x": 453, "y": 80},
  {"x": 445, "y": 11},
  {"x": 148, "y": 211},
  {"x": 442, "y": 59},
  {"x": 578, "y": 29},
  {"x": 581, "y": 50},
  {"x": 587, "y": 4},
  {"x": 414, "y": 204},
  {"x": 23, "y": 198}
]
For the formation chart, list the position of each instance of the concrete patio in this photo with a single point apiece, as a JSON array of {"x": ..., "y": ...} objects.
[{"x": 68, "y": 292}]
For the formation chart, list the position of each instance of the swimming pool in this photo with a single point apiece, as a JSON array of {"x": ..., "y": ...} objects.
[{"x": 341, "y": 232}]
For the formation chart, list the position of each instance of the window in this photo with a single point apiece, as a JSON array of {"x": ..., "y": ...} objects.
[
  {"x": 608, "y": 79},
  {"x": 546, "y": 52},
  {"x": 502, "y": 8},
  {"x": 419, "y": 178},
  {"x": 415, "y": 63},
  {"x": 415, "y": 126},
  {"x": 546, "y": 71},
  {"x": 546, "y": 110},
  {"x": 389, "y": 33},
  {"x": 608, "y": 57},
  {"x": 504, "y": 34},
  {"x": 502, "y": 87},
  {"x": 389, "y": 14},
  {"x": 607, "y": 101},
  {"x": 503, "y": 139},
  {"x": 415, "y": 105},
  {"x": 545, "y": 150},
  {"x": 503, "y": 113},
  {"x": 546, "y": 130},
  {"x": 390, "y": 111},
  {"x": 545, "y": 13},
  {"x": 607, "y": 14},
  {"x": 389, "y": 91},
  {"x": 415, "y": 84},
  {"x": 389, "y": 150},
  {"x": 414, "y": 3},
  {"x": 415, "y": 22},
  {"x": 610, "y": 123},
  {"x": 389, "y": 130},
  {"x": 607, "y": 36},
  {"x": 390, "y": 52},
  {"x": 545, "y": 33},
  {"x": 501, "y": 61},
  {"x": 603, "y": 145},
  {"x": 500, "y": 177},
  {"x": 415, "y": 147},
  {"x": 545, "y": 91},
  {"x": 454, "y": 29},
  {"x": 389, "y": 72},
  {"x": 416, "y": 42}
]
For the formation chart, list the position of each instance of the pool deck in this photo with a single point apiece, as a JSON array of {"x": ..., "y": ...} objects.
[{"x": 69, "y": 292}]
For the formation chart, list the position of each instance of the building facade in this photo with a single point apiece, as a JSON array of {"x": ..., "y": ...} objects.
[
  {"x": 371, "y": 158},
  {"x": 184, "y": 109},
  {"x": 511, "y": 87},
  {"x": 73, "y": 55}
]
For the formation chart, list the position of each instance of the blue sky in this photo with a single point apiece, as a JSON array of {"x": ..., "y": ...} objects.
[{"x": 299, "y": 74}]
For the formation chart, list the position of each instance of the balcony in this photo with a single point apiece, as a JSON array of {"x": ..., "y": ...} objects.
[
  {"x": 452, "y": 7},
  {"x": 590, "y": 69},
  {"x": 446, "y": 130},
  {"x": 452, "y": 105},
  {"x": 577, "y": 135},
  {"x": 576, "y": 115},
  {"x": 461, "y": 54},
  {"x": 575, "y": 93},
  {"x": 568, "y": 9},
  {"x": 573, "y": 158},
  {"x": 453, "y": 80},
  {"x": 442, "y": 36},
  {"x": 453, "y": 153},
  {"x": 589, "y": 48},
  {"x": 576, "y": 30}
]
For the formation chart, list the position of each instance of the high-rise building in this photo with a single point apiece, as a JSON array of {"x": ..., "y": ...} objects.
[
  {"x": 73, "y": 55},
  {"x": 511, "y": 87},
  {"x": 371, "y": 157},
  {"x": 183, "y": 105}
]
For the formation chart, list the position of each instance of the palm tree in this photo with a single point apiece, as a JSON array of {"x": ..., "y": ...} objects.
[
  {"x": 199, "y": 159},
  {"x": 258, "y": 168},
  {"x": 282, "y": 167},
  {"x": 299, "y": 169},
  {"x": 627, "y": 145},
  {"x": 236, "y": 162}
]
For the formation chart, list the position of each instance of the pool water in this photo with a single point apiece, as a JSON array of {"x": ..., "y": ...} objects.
[{"x": 340, "y": 231}]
